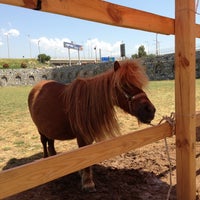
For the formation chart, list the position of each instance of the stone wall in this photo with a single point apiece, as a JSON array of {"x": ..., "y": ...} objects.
[
  {"x": 162, "y": 67},
  {"x": 12, "y": 77},
  {"x": 158, "y": 68}
]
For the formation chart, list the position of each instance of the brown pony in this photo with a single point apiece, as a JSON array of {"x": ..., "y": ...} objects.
[{"x": 85, "y": 109}]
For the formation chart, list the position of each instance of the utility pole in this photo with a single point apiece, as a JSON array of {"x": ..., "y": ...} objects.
[
  {"x": 29, "y": 40},
  {"x": 8, "y": 48},
  {"x": 39, "y": 50},
  {"x": 156, "y": 44}
]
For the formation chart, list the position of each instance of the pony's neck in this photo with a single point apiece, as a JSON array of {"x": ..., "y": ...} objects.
[{"x": 91, "y": 100}]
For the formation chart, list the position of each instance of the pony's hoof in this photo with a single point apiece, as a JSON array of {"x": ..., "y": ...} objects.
[{"x": 89, "y": 189}]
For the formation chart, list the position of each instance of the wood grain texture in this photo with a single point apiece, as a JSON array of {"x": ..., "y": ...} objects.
[
  {"x": 32, "y": 4},
  {"x": 103, "y": 12},
  {"x": 185, "y": 99}
]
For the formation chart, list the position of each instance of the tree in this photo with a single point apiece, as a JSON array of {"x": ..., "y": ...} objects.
[
  {"x": 141, "y": 52},
  {"x": 134, "y": 56},
  {"x": 43, "y": 58}
]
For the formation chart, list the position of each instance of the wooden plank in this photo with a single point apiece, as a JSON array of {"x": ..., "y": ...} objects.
[
  {"x": 130, "y": 19},
  {"x": 99, "y": 11},
  {"x": 185, "y": 99},
  {"x": 20, "y": 3},
  {"x": 30, "y": 175},
  {"x": 103, "y": 12}
]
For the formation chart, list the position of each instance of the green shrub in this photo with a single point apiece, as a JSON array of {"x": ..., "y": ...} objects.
[{"x": 42, "y": 58}]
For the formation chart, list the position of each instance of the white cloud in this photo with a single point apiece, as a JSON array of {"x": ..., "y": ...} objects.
[
  {"x": 11, "y": 32},
  {"x": 52, "y": 45},
  {"x": 107, "y": 49}
]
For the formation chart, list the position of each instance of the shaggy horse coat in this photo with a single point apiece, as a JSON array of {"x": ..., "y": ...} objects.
[{"x": 85, "y": 109}]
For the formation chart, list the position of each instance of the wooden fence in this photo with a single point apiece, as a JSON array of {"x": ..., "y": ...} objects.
[{"x": 185, "y": 30}]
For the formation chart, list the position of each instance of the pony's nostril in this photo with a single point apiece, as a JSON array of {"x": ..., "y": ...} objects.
[{"x": 150, "y": 109}]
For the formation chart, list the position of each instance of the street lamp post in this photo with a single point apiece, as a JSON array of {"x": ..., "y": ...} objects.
[
  {"x": 8, "y": 48},
  {"x": 39, "y": 46},
  {"x": 29, "y": 45},
  {"x": 100, "y": 55},
  {"x": 95, "y": 49},
  {"x": 157, "y": 45},
  {"x": 39, "y": 50}
]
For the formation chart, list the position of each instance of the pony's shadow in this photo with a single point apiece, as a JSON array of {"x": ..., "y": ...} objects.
[
  {"x": 111, "y": 184},
  {"x": 14, "y": 162}
]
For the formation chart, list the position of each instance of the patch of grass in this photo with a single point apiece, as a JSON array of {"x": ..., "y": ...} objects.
[
  {"x": 2, "y": 159},
  {"x": 161, "y": 93},
  {"x": 37, "y": 146},
  {"x": 2, "y": 138},
  {"x": 34, "y": 137},
  {"x": 19, "y": 143},
  {"x": 13, "y": 102},
  {"x": 16, "y": 124},
  {"x": 16, "y": 134},
  {"x": 6, "y": 148}
]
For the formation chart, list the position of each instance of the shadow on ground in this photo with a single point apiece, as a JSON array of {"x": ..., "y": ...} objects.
[{"x": 14, "y": 162}]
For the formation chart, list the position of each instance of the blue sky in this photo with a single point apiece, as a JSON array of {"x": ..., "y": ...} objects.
[{"x": 25, "y": 32}]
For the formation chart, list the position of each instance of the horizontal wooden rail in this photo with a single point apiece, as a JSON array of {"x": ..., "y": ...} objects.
[
  {"x": 103, "y": 12},
  {"x": 21, "y": 178}
]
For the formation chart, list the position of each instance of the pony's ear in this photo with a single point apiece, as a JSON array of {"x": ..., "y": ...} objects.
[{"x": 116, "y": 65}]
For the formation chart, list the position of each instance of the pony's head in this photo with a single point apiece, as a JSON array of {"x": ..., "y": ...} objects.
[{"x": 129, "y": 79}]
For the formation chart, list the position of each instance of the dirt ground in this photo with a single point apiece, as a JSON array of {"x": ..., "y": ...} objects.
[{"x": 137, "y": 175}]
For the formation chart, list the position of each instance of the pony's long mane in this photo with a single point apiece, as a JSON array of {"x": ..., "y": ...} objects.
[
  {"x": 131, "y": 73},
  {"x": 93, "y": 99}
]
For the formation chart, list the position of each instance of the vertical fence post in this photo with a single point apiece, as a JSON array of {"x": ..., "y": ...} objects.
[{"x": 185, "y": 98}]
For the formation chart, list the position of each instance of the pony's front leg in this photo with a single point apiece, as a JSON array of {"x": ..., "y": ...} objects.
[
  {"x": 87, "y": 180},
  {"x": 86, "y": 174}
]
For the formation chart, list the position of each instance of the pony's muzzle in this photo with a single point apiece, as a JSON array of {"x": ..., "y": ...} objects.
[{"x": 146, "y": 113}]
